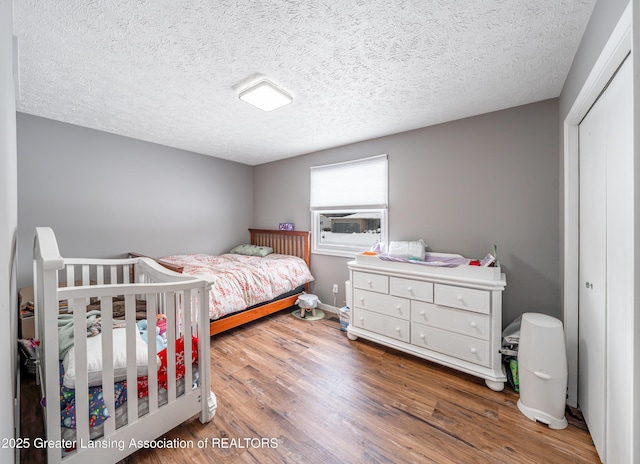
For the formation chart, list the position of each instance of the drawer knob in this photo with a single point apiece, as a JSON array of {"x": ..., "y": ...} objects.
[
  {"x": 361, "y": 319},
  {"x": 399, "y": 308},
  {"x": 460, "y": 298},
  {"x": 473, "y": 350},
  {"x": 473, "y": 324},
  {"x": 398, "y": 329},
  {"x": 422, "y": 336},
  {"x": 422, "y": 313},
  {"x": 369, "y": 283},
  {"x": 410, "y": 289}
]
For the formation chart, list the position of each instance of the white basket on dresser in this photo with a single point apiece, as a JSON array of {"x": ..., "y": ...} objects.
[{"x": 451, "y": 316}]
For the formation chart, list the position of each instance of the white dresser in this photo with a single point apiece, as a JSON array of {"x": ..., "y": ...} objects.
[{"x": 451, "y": 316}]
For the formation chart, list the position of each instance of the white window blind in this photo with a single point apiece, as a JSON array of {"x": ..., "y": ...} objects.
[{"x": 356, "y": 183}]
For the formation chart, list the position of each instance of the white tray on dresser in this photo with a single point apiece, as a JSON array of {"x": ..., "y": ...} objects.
[{"x": 451, "y": 316}]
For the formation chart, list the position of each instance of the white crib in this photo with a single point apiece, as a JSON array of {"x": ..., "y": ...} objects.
[{"x": 180, "y": 298}]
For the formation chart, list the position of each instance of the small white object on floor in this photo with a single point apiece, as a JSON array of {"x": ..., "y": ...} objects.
[{"x": 307, "y": 302}]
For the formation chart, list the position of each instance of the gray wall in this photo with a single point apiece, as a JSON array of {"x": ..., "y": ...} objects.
[
  {"x": 461, "y": 186},
  {"x": 105, "y": 195},
  {"x": 8, "y": 227}
]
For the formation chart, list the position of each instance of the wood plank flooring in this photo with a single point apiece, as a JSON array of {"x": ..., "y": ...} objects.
[{"x": 293, "y": 391}]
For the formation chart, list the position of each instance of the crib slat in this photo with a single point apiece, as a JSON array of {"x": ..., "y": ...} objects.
[
  {"x": 202, "y": 319},
  {"x": 114, "y": 275},
  {"x": 106, "y": 307},
  {"x": 82, "y": 383},
  {"x": 132, "y": 383},
  {"x": 171, "y": 345},
  {"x": 152, "y": 358},
  {"x": 47, "y": 284},
  {"x": 85, "y": 274},
  {"x": 186, "y": 330},
  {"x": 100, "y": 274},
  {"x": 70, "y": 282},
  {"x": 71, "y": 275},
  {"x": 195, "y": 305}
]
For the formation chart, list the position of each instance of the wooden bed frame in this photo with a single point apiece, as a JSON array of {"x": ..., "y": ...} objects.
[{"x": 286, "y": 242}]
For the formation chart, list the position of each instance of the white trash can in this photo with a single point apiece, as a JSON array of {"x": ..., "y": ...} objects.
[{"x": 542, "y": 370}]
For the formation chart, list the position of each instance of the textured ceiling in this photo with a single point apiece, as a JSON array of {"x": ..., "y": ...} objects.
[{"x": 169, "y": 71}]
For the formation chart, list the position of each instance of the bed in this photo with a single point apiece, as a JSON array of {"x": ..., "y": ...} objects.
[
  {"x": 249, "y": 299},
  {"x": 145, "y": 388}
]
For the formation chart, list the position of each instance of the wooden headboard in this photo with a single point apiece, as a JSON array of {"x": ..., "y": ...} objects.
[{"x": 286, "y": 242}]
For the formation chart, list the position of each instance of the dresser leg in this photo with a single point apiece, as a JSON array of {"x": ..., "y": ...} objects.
[
  {"x": 351, "y": 336},
  {"x": 495, "y": 386}
]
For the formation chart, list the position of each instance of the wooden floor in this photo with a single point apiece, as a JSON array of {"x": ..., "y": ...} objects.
[{"x": 293, "y": 391}]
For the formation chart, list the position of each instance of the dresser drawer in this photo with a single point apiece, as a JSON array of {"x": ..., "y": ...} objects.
[
  {"x": 383, "y": 304},
  {"x": 449, "y": 343},
  {"x": 463, "y": 298},
  {"x": 463, "y": 322},
  {"x": 413, "y": 289},
  {"x": 391, "y": 327},
  {"x": 373, "y": 282}
]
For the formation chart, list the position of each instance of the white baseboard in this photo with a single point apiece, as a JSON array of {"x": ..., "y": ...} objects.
[{"x": 329, "y": 308}]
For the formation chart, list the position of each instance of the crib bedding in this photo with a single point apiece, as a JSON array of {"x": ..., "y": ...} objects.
[
  {"x": 121, "y": 413},
  {"x": 240, "y": 281},
  {"x": 94, "y": 358},
  {"x": 98, "y": 412}
]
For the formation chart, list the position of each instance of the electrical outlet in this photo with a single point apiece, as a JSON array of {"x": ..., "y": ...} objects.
[{"x": 335, "y": 288}]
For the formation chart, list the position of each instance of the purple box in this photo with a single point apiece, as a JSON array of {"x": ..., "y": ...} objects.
[{"x": 286, "y": 226}]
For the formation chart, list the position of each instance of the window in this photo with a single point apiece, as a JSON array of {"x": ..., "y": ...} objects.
[{"x": 349, "y": 206}]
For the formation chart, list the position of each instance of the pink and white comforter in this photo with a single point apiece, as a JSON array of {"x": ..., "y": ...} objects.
[{"x": 240, "y": 281}]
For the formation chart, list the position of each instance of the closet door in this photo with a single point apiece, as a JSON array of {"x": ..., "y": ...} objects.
[
  {"x": 606, "y": 268},
  {"x": 592, "y": 272}
]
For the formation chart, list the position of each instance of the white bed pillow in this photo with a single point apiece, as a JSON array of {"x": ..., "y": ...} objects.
[
  {"x": 94, "y": 359},
  {"x": 252, "y": 250}
]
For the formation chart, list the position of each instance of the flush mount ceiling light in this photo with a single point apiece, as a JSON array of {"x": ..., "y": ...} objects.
[{"x": 265, "y": 95}]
